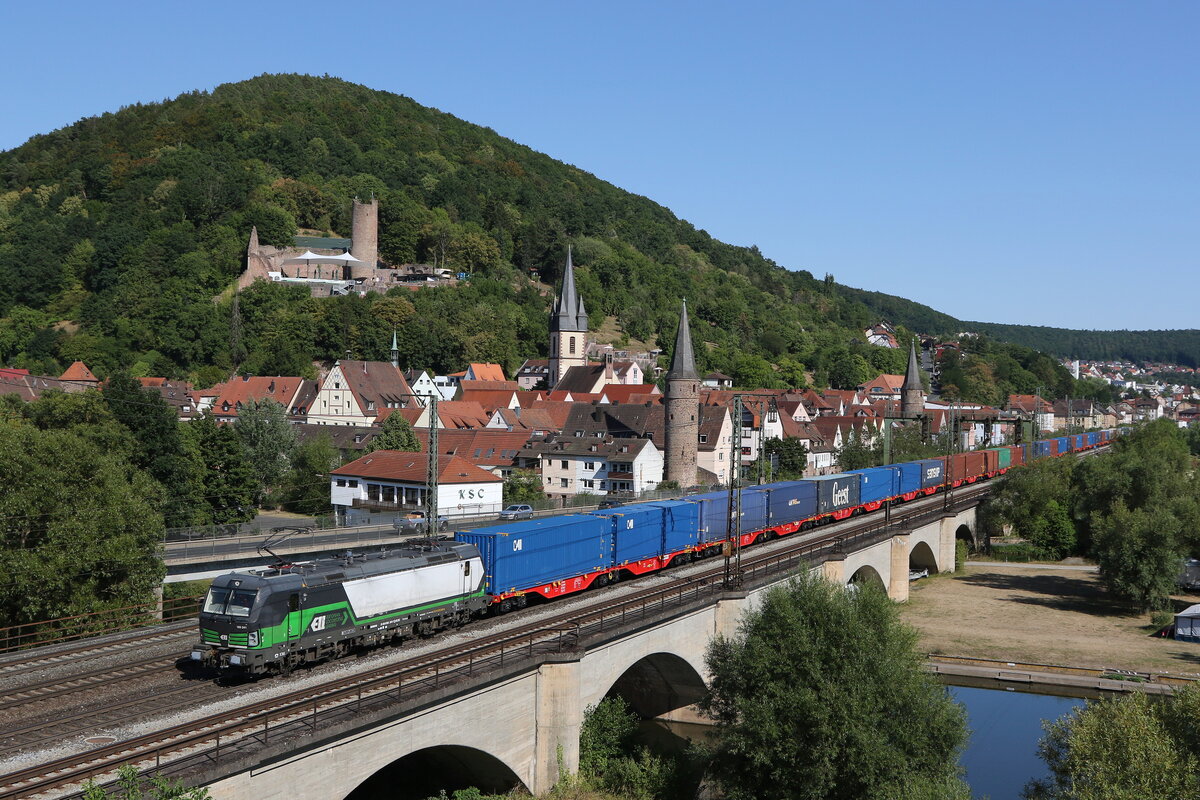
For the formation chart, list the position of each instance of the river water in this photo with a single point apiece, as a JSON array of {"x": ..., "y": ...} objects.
[{"x": 1006, "y": 725}]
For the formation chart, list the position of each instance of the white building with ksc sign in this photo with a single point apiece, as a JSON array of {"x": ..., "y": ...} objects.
[{"x": 395, "y": 480}]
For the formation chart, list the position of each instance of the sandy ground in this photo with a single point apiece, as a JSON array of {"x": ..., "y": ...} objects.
[{"x": 1046, "y": 615}]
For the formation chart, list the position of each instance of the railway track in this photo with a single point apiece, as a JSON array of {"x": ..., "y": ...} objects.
[
  {"x": 89, "y": 649},
  {"x": 254, "y": 724},
  {"x": 70, "y": 684}
]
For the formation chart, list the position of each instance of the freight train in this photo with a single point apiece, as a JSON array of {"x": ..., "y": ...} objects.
[{"x": 272, "y": 620}]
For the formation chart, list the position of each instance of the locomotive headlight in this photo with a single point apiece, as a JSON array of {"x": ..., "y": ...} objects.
[
  {"x": 235, "y": 660},
  {"x": 252, "y": 639},
  {"x": 197, "y": 655}
]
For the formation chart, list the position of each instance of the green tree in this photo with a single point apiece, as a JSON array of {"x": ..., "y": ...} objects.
[
  {"x": 523, "y": 486},
  {"x": 395, "y": 434},
  {"x": 791, "y": 457},
  {"x": 159, "y": 449},
  {"x": 1035, "y": 501},
  {"x": 81, "y": 530},
  {"x": 229, "y": 482},
  {"x": 1123, "y": 748},
  {"x": 856, "y": 453},
  {"x": 269, "y": 439},
  {"x": 306, "y": 489},
  {"x": 1138, "y": 552},
  {"x": 822, "y": 694}
]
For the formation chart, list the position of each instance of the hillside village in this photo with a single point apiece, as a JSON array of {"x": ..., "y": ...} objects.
[{"x": 591, "y": 421}]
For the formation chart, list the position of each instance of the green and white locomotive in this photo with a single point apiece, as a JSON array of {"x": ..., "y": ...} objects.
[{"x": 275, "y": 619}]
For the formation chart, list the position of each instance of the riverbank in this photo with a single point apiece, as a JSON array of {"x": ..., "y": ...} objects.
[{"x": 1040, "y": 614}]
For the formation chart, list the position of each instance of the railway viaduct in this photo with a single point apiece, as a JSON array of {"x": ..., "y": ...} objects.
[{"x": 520, "y": 726}]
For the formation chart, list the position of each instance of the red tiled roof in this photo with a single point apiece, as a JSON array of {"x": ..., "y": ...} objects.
[
  {"x": 246, "y": 390},
  {"x": 405, "y": 467},
  {"x": 488, "y": 372},
  {"x": 483, "y": 447},
  {"x": 489, "y": 400},
  {"x": 489, "y": 386},
  {"x": 621, "y": 392},
  {"x": 78, "y": 371},
  {"x": 462, "y": 414}
]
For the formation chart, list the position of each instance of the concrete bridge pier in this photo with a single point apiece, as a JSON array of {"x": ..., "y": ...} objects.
[
  {"x": 898, "y": 580},
  {"x": 559, "y": 718}
]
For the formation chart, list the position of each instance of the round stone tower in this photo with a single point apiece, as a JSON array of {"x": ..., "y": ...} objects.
[
  {"x": 364, "y": 237},
  {"x": 682, "y": 409},
  {"x": 912, "y": 393}
]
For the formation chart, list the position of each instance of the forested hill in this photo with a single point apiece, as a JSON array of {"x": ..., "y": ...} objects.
[
  {"x": 1169, "y": 346},
  {"x": 121, "y": 237}
]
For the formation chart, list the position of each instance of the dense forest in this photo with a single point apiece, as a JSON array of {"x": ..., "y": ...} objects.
[
  {"x": 1171, "y": 347},
  {"x": 121, "y": 237}
]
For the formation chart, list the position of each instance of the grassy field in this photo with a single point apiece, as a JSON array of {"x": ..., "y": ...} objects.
[{"x": 1040, "y": 614}]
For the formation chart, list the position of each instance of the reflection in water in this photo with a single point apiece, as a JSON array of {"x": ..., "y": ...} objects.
[{"x": 1006, "y": 725}]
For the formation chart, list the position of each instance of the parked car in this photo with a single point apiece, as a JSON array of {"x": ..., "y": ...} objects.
[
  {"x": 415, "y": 523},
  {"x": 517, "y": 511},
  {"x": 917, "y": 574},
  {"x": 610, "y": 504}
]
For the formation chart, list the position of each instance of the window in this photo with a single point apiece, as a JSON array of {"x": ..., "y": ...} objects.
[
  {"x": 578, "y": 434},
  {"x": 721, "y": 456},
  {"x": 373, "y": 491},
  {"x": 337, "y": 385},
  {"x": 389, "y": 494},
  {"x": 703, "y": 439},
  {"x": 563, "y": 482},
  {"x": 353, "y": 484},
  {"x": 589, "y": 465},
  {"x": 234, "y": 602},
  {"x": 589, "y": 484},
  {"x": 572, "y": 344},
  {"x": 564, "y": 464},
  {"x": 341, "y": 481}
]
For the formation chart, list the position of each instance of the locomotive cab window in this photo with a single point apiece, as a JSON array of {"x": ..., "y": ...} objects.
[
  {"x": 466, "y": 568},
  {"x": 293, "y": 602},
  {"x": 234, "y": 602}
]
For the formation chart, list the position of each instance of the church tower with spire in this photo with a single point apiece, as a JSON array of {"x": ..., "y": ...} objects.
[
  {"x": 682, "y": 408},
  {"x": 912, "y": 394},
  {"x": 568, "y": 328}
]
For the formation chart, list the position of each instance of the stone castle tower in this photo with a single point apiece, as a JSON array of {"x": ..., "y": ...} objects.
[
  {"x": 682, "y": 408},
  {"x": 568, "y": 328},
  {"x": 364, "y": 237},
  {"x": 912, "y": 394}
]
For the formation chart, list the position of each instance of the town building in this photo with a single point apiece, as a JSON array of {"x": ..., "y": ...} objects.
[
  {"x": 397, "y": 480},
  {"x": 568, "y": 328},
  {"x": 357, "y": 392}
]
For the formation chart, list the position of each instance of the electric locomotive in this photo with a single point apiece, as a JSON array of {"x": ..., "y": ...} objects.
[{"x": 274, "y": 619}]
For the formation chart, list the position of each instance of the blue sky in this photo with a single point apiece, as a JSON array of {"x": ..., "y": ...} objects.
[{"x": 1023, "y": 162}]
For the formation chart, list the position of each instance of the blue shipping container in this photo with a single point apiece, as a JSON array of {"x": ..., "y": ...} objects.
[
  {"x": 681, "y": 524},
  {"x": 933, "y": 472},
  {"x": 1064, "y": 445},
  {"x": 714, "y": 513},
  {"x": 835, "y": 492},
  {"x": 909, "y": 477},
  {"x": 523, "y": 555},
  {"x": 1041, "y": 449},
  {"x": 637, "y": 531},
  {"x": 877, "y": 483},
  {"x": 790, "y": 501}
]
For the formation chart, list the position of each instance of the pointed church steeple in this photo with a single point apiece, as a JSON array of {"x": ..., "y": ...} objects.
[
  {"x": 683, "y": 360},
  {"x": 395, "y": 351},
  {"x": 569, "y": 314},
  {"x": 912, "y": 393},
  {"x": 252, "y": 247}
]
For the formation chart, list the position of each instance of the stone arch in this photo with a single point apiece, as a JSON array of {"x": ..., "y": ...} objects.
[
  {"x": 921, "y": 556},
  {"x": 868, "y": 575},
  {"x": 658, "y": 684},
  {"x": 425, "y": 772},
  {"x": 965, "y": 533}
]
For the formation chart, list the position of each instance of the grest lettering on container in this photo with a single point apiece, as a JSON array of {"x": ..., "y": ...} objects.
[{"x": 841, "y": 496}]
